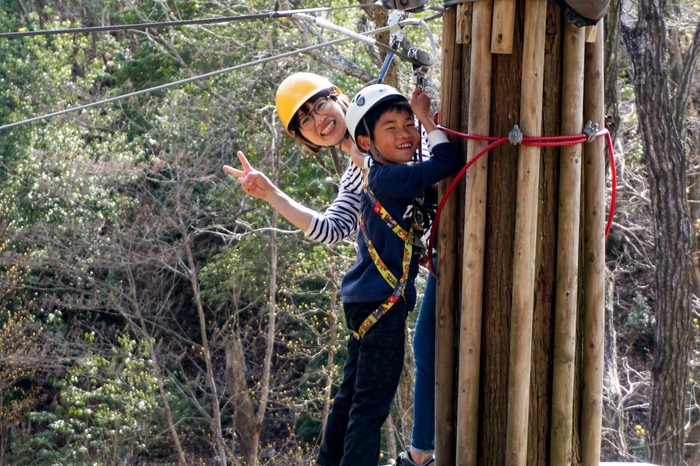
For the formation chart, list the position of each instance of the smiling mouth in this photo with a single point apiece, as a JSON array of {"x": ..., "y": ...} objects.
[
  {"x": 407, "y": 145},
  {"x": 328, "y": 128}
]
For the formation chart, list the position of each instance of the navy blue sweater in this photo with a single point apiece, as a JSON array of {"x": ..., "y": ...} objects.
[{"x": 395, "y": 186}]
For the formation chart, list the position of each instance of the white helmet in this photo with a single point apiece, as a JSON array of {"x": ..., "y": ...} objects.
[{"x": 366, "y": 100}]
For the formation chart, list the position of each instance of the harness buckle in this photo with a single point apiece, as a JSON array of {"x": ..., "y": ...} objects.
[{"x": 419, "y": 72}]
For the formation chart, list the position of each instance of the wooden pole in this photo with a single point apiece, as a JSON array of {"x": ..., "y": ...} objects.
[
  {"x": 525, "y": 235},
  {"x": 591, "y": 33},
  {"x": 565, "y": 318},
  {"x": 447, "y": 258},
  {"x": 474, "y": 238},
  {"x": 503, "y": 26},
  {"x": 464, "y": 23},
  {"x": 594, "y": 253}
]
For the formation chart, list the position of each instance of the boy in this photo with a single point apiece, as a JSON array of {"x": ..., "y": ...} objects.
[{"x": 378, "y": 291}]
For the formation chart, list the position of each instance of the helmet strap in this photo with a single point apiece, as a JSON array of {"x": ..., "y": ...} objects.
[{"x": 373, "y": 149}]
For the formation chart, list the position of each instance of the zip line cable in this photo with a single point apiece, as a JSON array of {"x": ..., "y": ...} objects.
[
  {"x": 216, "y": 73},
  {"x": 173, "y": 84},
  {"x": 354, "y": 35},
  {"x": 351, "y": 34},
  {"x": 190, "y": 22}
]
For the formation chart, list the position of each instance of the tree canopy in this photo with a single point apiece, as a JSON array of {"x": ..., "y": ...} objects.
[{"x": 151, "y": 312}]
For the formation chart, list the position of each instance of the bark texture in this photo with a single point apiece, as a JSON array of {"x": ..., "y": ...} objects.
[{"x": 666, "y": 163}]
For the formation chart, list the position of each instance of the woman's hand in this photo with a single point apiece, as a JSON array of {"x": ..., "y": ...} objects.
[
  {"x": 258, "y": 185},
  {"x": 252, "y": 181},
  {"x": 356, "y": 157}
]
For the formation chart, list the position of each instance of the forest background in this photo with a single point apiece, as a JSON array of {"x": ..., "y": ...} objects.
[{"x": 154, "y": 314}]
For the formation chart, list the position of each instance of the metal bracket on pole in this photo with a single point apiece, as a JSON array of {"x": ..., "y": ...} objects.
[
  {"x": 591, "y": 130},
  {"x": 515, "y": 136}
]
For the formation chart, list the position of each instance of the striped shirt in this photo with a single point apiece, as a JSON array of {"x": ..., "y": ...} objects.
[{"x": 341, "y": 218}]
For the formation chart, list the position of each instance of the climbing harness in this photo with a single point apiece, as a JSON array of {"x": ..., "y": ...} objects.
[
  {"x": 408, "y": 237},
  {"x": 589, "y": 133}
]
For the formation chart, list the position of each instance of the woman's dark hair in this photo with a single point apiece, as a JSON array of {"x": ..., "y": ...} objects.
[{"x": 372, "y": 116}]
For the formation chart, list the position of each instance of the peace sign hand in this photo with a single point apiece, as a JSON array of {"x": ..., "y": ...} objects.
[{"x": 252, "y": 181}]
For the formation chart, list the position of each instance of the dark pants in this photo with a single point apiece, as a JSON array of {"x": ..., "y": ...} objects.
[{"x": 370, "y": 378}]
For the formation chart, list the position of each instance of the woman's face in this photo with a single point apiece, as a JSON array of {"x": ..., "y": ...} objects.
[{"x": 326, "y": 122}]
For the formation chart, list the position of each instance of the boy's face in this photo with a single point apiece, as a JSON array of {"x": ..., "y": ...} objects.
[{"x": 395, "y": 136}]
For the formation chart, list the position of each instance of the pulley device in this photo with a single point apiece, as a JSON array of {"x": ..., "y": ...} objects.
[{"x": 420, "y": 59}]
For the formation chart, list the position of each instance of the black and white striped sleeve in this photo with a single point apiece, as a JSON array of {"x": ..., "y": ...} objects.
[{"x": 340, "y": 220}]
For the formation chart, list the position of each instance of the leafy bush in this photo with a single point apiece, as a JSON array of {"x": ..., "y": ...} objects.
[{"x": 107, "y": 413}]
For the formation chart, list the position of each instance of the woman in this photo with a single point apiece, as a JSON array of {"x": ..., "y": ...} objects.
[{"x": 312, "y": 110}]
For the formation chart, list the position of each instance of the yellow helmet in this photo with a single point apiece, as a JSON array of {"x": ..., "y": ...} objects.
[{"x": 295, "y": 90}]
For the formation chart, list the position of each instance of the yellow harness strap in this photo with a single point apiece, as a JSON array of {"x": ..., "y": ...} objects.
[{"x": 398, "y": 284}]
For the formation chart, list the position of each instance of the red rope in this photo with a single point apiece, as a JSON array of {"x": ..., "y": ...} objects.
[{"x": 542, "y": 141}]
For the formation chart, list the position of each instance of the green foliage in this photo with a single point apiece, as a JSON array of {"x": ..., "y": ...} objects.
[
  {"x": 67, "y": 169},
  {"x": 106, "y": 413},
  {"x": 103, "y": 201},
  {"x": 640, "y": 325},
  {"x": 308, "y": 428}
]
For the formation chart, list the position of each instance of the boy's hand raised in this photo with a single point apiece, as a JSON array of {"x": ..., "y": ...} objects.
[
  {"x": 420, "y": 104},
  {"x": 252, "y": 181}
]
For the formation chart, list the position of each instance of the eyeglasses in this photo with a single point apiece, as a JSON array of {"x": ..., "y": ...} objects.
[{"x": 321, "y": 107}]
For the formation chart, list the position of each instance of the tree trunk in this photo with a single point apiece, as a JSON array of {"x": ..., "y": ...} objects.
[
  {"x": 496, "y": 329},
  {"x": 211, "y": 382},
  {"x": 271, "y": 329},
  {"x": 241, "y": 399},
  {"x": 332, "y": 323},
  {"x": 612, "y": 38},
  {"x": 164, "y": 395},
  {"x": 666, "y": 163}
]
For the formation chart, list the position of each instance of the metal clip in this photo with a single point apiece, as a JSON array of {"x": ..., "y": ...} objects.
[
  {"x": 591, "y": 130},
  {"x": 395, "y": 29},
  {"x": 421, "y": 60},
  {"x": 419, "y": 72},
  {"x": 515, "y": 136}
]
